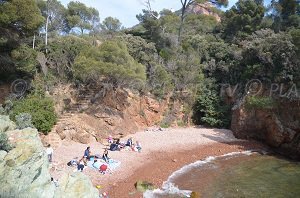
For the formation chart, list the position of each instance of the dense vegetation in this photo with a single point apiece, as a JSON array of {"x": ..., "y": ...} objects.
[
  {"x": 183, "y": 53},
  {"x": 41, "y": 110}
]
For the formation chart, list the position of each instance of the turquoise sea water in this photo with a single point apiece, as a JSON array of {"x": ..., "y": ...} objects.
[{"x": 239, "y": 176}]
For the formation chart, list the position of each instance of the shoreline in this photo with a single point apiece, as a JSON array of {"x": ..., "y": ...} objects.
[
  {"x": 160, "y": 167},
  {"x": 163, "y": 152}
]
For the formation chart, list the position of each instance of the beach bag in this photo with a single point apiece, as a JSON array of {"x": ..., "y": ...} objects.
[{"x": 103, "y": 168}]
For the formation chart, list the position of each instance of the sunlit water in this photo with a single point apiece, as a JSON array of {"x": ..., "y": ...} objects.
[{"x": 235, "y": 176}]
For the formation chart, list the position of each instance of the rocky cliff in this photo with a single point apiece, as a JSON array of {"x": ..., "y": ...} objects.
[
  {"x": 204, "y": 8},
  {"x": 93, "y": 114},
  {"x": 279, "y": 127},
  {"x": 24, "y": 170}
]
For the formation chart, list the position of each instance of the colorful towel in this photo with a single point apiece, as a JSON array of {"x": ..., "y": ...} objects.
[{"x": 113, "y": 164}]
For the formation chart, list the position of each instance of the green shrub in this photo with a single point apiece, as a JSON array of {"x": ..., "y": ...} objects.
[
  {"x": 111, "y": 60},
  {"x": 164, "y": 125},
  {"x": 40, "y": 109},
  {"x": 181, "y": 123},
  {"x": 160, "y": 81},
  {"x": 25, "y": 58},
  {"x": 262, "y": 102},
  {"x": 62, "y": 54},
  {"x": 4, "y": 143},
  {"x": 23, "y": 121},
  {"x": 209, "y": 109}
]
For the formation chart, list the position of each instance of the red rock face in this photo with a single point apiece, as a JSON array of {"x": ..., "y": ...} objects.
[
  {"x": 278, "y": 127},
  {"x": 204, "y": 8},
  {"x": 4, "y": 92},
  {"x": 118, "y": 112}
]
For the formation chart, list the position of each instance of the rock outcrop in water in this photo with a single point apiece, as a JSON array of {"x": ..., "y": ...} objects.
[
  {"x": 24, "y": 170},
  {"x": 279, "y": 127}
]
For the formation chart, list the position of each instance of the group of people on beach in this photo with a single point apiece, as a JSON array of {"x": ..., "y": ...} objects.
[
  {"x": 94, "y": 158},
  {"x": 101, "y": 163},
  {"x": 117, "y": 145}
]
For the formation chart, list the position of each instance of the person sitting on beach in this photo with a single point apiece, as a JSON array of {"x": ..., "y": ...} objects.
[
  {"x": 138, "y": 146},
  {"x": 80, "y": 165},
  {"x": 114, "y": 147},
  {"x": 120, "y": 145},
  {"x": 73, "y": 162},
  {"x": 129, "y": 142},
  {"x": 87, "y": 152},
  {"x": 85, "y": 160},
  {"x": 105, "y": 156}
]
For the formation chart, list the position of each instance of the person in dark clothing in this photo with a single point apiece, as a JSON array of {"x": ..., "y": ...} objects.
[
  {"x": 80, "y": 165},
  {"x": 119, "y": 144},
  {"x": 87, "y": 153},
  {"x": 129, "y": 142},
  {"x": 105, "y": 156},
  {"x": 114, "y": 147},
  {"x": 118, "y": 141}
]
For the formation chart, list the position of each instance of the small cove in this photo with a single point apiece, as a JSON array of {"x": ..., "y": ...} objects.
[{"x": 235, "y": 175}]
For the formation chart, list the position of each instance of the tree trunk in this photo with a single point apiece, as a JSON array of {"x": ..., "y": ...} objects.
[
  {"x": 33, "y": 42},
  {"x": 46, "y": 39},
  {"x": 185, "y": 4}
]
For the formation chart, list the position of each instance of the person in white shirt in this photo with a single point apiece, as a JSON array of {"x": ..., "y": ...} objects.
[{"x": 49, "y": 152}]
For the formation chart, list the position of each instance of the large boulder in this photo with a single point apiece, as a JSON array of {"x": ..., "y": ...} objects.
[
  {"x": 6, "y": 124},
  {"x": 76, "y": 185},
  {"x": 24, "y": 169}
]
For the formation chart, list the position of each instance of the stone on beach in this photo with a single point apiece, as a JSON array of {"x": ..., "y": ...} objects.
[{"x": 142, "y": 186}]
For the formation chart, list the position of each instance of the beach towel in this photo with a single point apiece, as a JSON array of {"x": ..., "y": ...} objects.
[
  {"x": 113, "y": 164},
  {"x": 95, "y": 165}
]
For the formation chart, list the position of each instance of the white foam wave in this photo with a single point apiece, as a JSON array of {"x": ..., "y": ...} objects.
[
  {"x": 169, "y": 188},
  {"x": 205, "y": 161}
]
